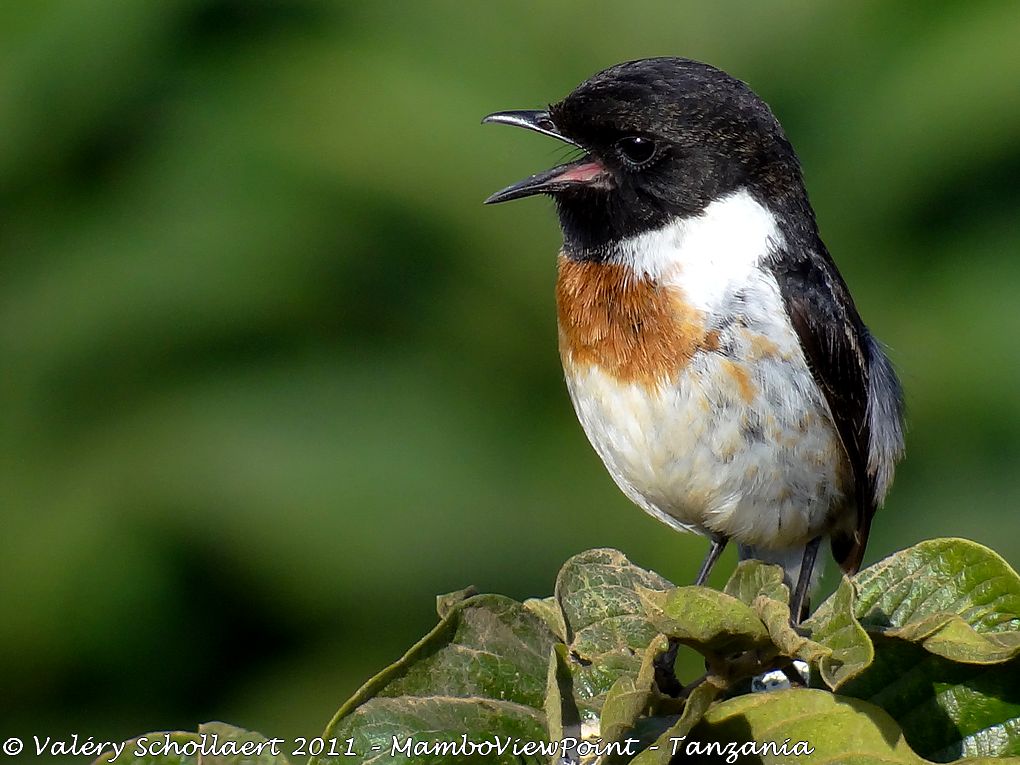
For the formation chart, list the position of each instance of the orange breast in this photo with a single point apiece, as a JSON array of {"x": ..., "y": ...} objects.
[{"x": 630, "y": 327}]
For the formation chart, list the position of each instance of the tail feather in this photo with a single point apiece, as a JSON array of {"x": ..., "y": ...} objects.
[
  {"x": 885, "y": 421},
  {"x": 885, "y": 449}
]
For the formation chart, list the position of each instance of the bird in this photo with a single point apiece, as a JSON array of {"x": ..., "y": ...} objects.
[{"x": 711, "y": 348}]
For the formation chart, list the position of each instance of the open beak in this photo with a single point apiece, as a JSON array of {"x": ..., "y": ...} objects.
[{"x": 584, "y": 172}]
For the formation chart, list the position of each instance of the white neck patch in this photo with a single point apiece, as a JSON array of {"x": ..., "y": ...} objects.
[{"x": 707, "y": 255}]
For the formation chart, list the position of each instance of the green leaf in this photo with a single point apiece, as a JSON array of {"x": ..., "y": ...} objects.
[
  {"x": 629, "y": 696},
  {"x": 548, "y": 610},
  {"x": 835, "y": 627},
  {"x": 605, "y": 620},
  {"x": 254, "y": 748},
  {"x": 946, "y": 709},
  {"x": 957, "y": 598},
  {"x": 215, "y": 742},
  {"x": 708, "y": 620},
  {"x": 136, "y": 750},
  {"x": 661, "y": 752},
  {"x": 761, "y": 586},
  {"x": 776, "y": 618},
  {"x": 837, "y": 729},
  {"x": 941, "y": 576},
  {"x": 752, "y": 579},
  {"x": 426, "y": 730},
  {"x": 950, "y": 636},
  {"x": 481, "y": 673},
  {"x": 446, "y": 603},
  {"x": 931, "y": 608},
  {"x": 597, "y": 591}
]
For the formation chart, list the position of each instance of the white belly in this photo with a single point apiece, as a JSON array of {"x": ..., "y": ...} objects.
[{"x": 741, "y": 443}]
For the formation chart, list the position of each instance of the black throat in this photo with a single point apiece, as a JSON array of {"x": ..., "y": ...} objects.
[{"x": 593, "y": 221}]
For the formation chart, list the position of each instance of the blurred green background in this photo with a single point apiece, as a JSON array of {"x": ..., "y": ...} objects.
[{"x": 273, "y": 377}]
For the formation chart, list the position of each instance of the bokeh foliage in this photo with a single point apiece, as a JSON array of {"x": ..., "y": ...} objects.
[{"x": 273, "y": 377}]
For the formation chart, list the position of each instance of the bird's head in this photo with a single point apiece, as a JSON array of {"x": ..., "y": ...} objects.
[{"x": 662, "y": 138}]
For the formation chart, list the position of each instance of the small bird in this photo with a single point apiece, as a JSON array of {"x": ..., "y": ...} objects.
[{"x": 711, "y": 348}]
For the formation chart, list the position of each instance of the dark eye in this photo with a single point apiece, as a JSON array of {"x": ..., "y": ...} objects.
[{"x": 636, "y": 150}]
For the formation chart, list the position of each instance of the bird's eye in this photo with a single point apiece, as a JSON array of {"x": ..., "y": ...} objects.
[{"x": 636, "y": 150}]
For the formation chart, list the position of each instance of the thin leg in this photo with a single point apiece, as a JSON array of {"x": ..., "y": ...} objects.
[
  {"x": 799, "y": 605},
  {"x": 718, "y": 545},
  {"x": 665, "y": 670},
  {"x": 665, "y": 674}
]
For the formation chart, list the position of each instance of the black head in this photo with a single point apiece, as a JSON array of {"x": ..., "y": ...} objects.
[{"x": 663, "y": 138}]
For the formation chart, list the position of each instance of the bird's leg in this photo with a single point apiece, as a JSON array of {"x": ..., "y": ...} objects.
[
  {"x": 718, "y": 545},
  {"x": 799, "y": 604},
  {"x": 665, "y": 670}
]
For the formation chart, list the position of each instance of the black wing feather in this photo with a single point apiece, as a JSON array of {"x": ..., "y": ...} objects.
[{"x": 856, "y": 378}]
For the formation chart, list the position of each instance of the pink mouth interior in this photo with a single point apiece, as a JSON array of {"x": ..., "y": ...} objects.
[{"x": 589, "y": 171}]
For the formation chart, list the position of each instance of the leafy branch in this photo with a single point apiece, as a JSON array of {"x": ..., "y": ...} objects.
[{"x": 916, "y": 657}]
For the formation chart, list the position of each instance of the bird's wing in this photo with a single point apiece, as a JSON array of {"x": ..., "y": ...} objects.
[{"x": 856, "y": 378}]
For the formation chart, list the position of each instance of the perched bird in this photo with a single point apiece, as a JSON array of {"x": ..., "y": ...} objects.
[{"x": 711, "y": 348}]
